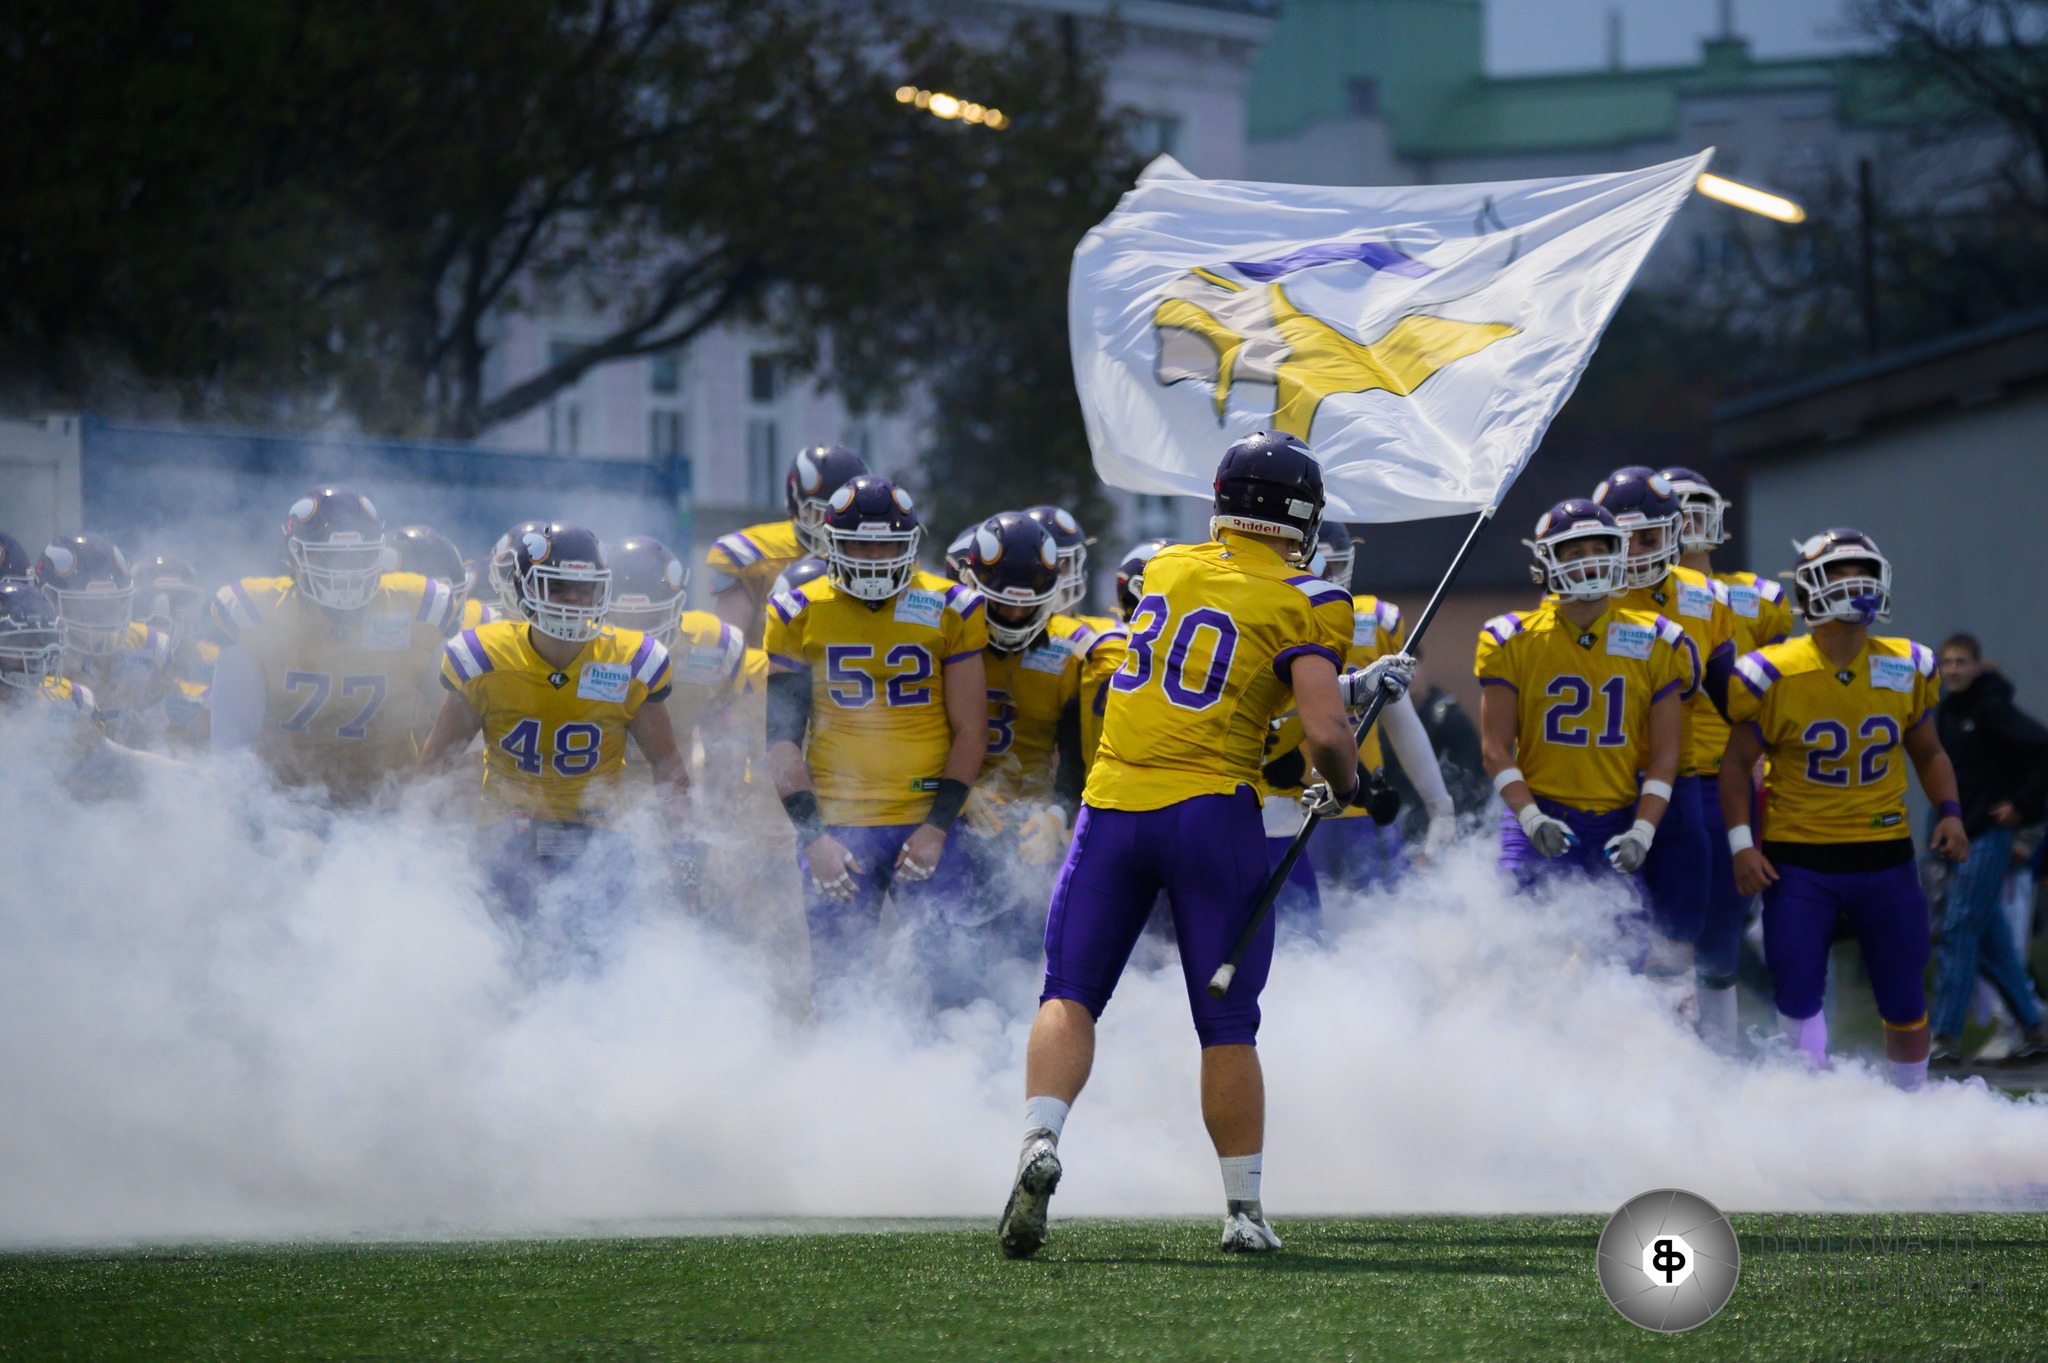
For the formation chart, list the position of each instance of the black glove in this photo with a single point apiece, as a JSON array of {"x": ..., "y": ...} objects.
[
  {"x": 1380, "y": 798},
  {"x": 1287, "y": 771}
]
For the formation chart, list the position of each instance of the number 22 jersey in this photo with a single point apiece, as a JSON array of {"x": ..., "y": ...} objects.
[{"x": 1207, "y": 666}]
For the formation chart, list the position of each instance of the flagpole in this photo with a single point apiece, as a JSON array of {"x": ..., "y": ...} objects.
[{"x": 1219, "y": 983}]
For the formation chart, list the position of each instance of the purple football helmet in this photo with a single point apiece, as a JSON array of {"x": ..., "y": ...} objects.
[
  {"x": 1334, "y": 555},
  {"x": 1704, "y": 512},
  {"x": 1644, "y": 504},
  {"x": 1270, "y": 484},
  {"x": 170, "y": 597},
  {"x": 16, "y": 562},
  {"x": 1130, "y": 574},
  {"x": 564, "y": 584},
  {"x": 505, "y": 564},
  {"x": 814, "y": 475},
  {"x": 87, "y": 579},
  {"x": 1073, "y": 544},
  {"x": 1841, "y": 574},
  {"x": 1591, "y": 576},
  {"x": 871, "y": 538},
  {"x": 1014, "y": 562},
  {"x": 648, "y": 583},
  {"x": 334, "y": 542},
  {"x": 31, "y": 636},
  {"x": 798, "y": 573}
]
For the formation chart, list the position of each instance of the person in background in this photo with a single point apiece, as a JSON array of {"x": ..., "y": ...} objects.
[
  {"x": 2000, "y": 754},
  {"x": 1454, "y": 738},
  {"x": 745, "y": 563},
  {"x": 169, "y": 598}
]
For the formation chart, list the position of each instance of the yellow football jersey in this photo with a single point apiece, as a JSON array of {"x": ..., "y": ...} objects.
[
  {"x": 705, "y": 660},
  {"x": 1207, "y": 664},
  {"x": 754, "y": 558},
  {"x": 879, "y": 735},
  {"x": 1101, "y": 624},
  {"x": 1698, "y": 605},
  {"x": 1832, "y": 735},
  {"x": 554, "y": 738},
  {"x": 1102, "y": 657},
  {"x": 1761, "y": 615},
  {"x": 1376, "y": 630},
  {"x": 1583, "y": 696},
  {"x": 1028, "y": 691},
  {"x": 475, "y": 612},
  {"x": 346, "y": 697}
]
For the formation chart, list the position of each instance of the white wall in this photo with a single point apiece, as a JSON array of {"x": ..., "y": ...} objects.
[{"x": 40, "y": 495}]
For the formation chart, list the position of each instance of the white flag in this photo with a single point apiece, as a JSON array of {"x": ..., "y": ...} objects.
[{"x": 1420, "y": 338}]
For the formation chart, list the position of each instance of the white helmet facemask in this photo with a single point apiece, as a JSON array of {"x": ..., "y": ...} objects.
[
  {"x": 342, "y": 572},
  {"x": 1593, "y": 577},
  {"x": 1703, "y": 517},
  {"x": 93, "y": 618},
  {"x": 1858, "y": 598},
  {"x": 29, "y": 656},
  {"x": 1647, "y": 567},
  {"x": 566, "y": 601},
  {"x": 872, "y": 579}
]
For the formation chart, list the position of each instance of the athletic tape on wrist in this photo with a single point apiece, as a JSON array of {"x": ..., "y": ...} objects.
[
  {"x": 1739, "y": 839},
  {"x": 1529, "y": 814},
  {"x": 1949, "y": 809},
  {"x": 946, "y": 803},
  {"x": 1647, "y": 829},
  {"x": 1660, "y": 789},
  {"x": 802, "y": 808},
  {"x": 1507, "y": 777}
]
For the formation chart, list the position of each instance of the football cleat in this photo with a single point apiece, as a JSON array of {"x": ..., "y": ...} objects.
[
  {"x": 1245, "y": 1230},
  {"x": 1022, "y": 1229}
]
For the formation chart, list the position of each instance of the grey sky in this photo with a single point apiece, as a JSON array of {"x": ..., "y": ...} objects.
[{"x": 1566, "y": 35}]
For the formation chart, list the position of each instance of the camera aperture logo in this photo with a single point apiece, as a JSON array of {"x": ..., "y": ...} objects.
[{"x": 1668, "y": 1260}]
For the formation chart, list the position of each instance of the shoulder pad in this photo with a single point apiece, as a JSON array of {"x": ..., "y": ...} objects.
[
  {"x": 962, "y": 600},
  {"x": 1503, "y": 627},
  {"x": 1719, "y": 589},
  {"x": 437, "y": 603},
  {"x": 1670, "y": 631},
  {"x": 790, "y": 604},
  {"x": 1389, "y": 615},
  {"x": 649, "y": 662},
  {"x": 1756, "y": 672},
  {"x": 467, "y": 655},
  {"x": 1770, "y": 590},
  {"x": 737, "y": 548},
  {"x": 1923, "y": 658},
  {"x": 1318, "y": 591},
  {"x": 156, "y": 646}
]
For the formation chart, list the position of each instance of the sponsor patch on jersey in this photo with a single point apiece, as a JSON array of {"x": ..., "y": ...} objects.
[
  {"x": 603, "y": 681},
  {"x": 699, "y": 665},
  {"x": 388, "y": 631},
  {"x": 1892, "y": 674},
  {"x": 1891, "y": 820},
  {"x": 1588, "y": 639},
  {"x": 1697, "y": 602},
  {"x": 920, "y": 607},
  {"x": 1365, "y": 628},
  {"x": 558, "y": 680},
  {"x": 1047, "y": 655},
  {"x": 1625, "y": 640},
  {"x": 1746, "y": 602}
]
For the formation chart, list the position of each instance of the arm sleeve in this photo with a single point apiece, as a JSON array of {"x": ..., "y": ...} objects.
[
  {"x": 1072, "y": 774},
  {"x": 236, "y": 700},
  {"x": 1418, "y": 761},
  {"x": 789, "y": 707}
]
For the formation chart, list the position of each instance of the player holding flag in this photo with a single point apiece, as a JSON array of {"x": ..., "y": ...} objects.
[{"x": 1225, "y": 636}]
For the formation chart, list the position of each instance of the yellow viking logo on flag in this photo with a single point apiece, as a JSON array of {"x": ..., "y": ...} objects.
[{"x": 1233, "y": 325}]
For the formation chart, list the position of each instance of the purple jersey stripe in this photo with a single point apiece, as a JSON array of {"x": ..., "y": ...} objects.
[
  {"x": 1283, "y": 661},
  {"x": 476, "y": 650},
  {"x": 793, "y": 664},
  {"x": 972, "y": 606},
  {"x": 640, "y": 654},
  {"x": 1498, "y": 681},
  {"x": 1666, "y": 689},
  {"x": 967, "y": 653}
]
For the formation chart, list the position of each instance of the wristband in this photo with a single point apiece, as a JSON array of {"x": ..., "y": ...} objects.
[
  {"x": 1739, "y": 839},
  {"x": 1529, "y": 814},
  {"x": 1949, "y": 809},
  {"x": 1507, "y": 777},
  {"x": 946, "y": 803},
  {"x": 1660, "y": 789},
  {"x": 1647, "y": 829},
  {"x": 802, "y": 808}
]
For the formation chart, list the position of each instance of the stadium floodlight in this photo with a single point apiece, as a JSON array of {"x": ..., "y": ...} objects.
[{"x": 1751, "y": 199}]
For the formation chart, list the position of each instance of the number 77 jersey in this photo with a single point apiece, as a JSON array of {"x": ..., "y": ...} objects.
[{"x": 1833, "y": 734}]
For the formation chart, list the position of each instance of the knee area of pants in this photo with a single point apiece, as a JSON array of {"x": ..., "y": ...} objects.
[
  {"x": 1716, "y": 979},
  {"x": 1091, "y": 999}
]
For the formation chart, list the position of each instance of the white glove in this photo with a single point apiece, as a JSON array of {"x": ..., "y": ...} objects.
[
  {"x": 1043, "y": 838},
  {"x": 1625, "y": 851},
  {"x": 1390, "y": 674},
  {"x": 1551, "y": 837},
  {"x": 1318, "y": 798},
  {"x": 1443, "y": 827}
]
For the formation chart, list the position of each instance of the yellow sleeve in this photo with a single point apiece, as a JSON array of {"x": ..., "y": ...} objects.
[
  {"x": 1104, "y": 659},
  {"x": 784, "y": 640},
  {"x": 1926, "y": 687},
  {"x": 1494, "y": 661},
  {"x": 965, "y": 631},
  {"x": 1672, "y": 666},
  {"x": 1748, "y": 688}
]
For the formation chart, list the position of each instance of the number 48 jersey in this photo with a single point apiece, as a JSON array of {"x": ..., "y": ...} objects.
[
  {"x": 1832, "y": 735},
  {"x": 554, "y": 738},
  {"x": 1583, "y": 697},
  {"x": 1208, "y": 665}
]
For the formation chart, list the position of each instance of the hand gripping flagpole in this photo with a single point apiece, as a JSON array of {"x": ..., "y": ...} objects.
[{"x": 1219, "y": 983}]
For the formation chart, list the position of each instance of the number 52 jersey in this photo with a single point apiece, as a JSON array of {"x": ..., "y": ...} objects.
[{"x": 1833, "y": 735}]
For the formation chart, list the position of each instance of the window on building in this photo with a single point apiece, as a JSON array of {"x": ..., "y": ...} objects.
[
  {"x": 764, "y": 470},
  {"x": 762, "y": 378},
  {"x": 665, "y": 434},
  {"x": 665, "y": 371},
  {"x": 1155, "y": 134},
  {"x": 565, "y": 409}
]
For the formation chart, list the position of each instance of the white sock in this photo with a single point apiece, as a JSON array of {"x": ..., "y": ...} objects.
[
  {"x": 1810, "y": 1035},
  {"x": 1909, "y": 1075},
  {"x": 1717, "y": 1018},
  {"x": 1044, "y": 1113},
  {"x": 1241, "y": 1177}
]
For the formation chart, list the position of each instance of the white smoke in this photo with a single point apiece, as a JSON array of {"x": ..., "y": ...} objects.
[{"x": 223, "y": 1014}]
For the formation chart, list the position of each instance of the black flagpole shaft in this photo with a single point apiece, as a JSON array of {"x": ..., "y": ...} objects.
[{"x": 1219, "y": 983}]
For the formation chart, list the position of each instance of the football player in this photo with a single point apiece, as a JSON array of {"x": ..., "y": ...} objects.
[
  {"x": 503, "y": 572},
  {"x": 1225, "y": 636},
  {"x": 429, "y": 553},
  {"x": 1038, "y": 665},
  {"x": 1677, "y": 873},
  {"x": 329, "y": 671},
  {"x": 1759, "y": 615},
  {"x": 1130, "y": 575},
  {"x": 744, "y": 564},
  {"x": 170, "y": 600},
  {"x": 648, "y": 586},
  {"x": 1577, "y": 697},
  {"x": 1830, "y": 711},
  {"x": 877, "y": 722},
  {"x": 555, "y": 695},
  {"x": 1073, "y": 544},
  {"x": 32, "y": 685},
  {"x": 124, "y": 663}
]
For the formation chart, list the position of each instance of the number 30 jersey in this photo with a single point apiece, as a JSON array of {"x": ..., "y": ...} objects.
[
  {"x": 345, "y": 696},
  {"x": 554, "y": 737},
  {"x": 1583, "y": 697},
  {"x": 1832, "y": 735},
  {"x": 879, "y": 733},
  {"x": 1208, "y": 664}
]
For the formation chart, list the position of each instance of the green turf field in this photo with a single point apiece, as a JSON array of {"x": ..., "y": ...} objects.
[{"x": 1387, "y": 1288}]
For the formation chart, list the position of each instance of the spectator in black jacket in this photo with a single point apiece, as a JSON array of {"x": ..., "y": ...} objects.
[
  {"x": 1455, "y": 740},
  {"x": 2000, "y": 754}
]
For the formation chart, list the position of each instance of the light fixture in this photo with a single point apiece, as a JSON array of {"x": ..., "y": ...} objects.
[
  {"x": 1751, "y": 199},
  {"x": 951, "y": 107}
]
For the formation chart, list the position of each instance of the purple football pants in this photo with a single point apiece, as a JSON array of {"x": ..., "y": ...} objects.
[
  {"x": 1209, "y": 855},
  {"x": 1519, "y": 857},
  {"x": 843, "y": 930},
  {"x": 1889, "y": 913},
  {"x": 1719, "y": 951},
  {"x": 1356, "y": 854},
  {"x": 1678, "y": 872},
  {"x": 1299, "y": 905}
]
